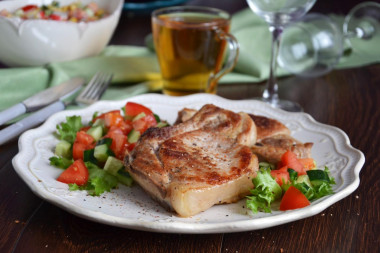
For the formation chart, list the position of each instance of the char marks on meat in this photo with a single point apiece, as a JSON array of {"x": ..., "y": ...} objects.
[
  {"x": 273, "y": 138},
  {"x": 195, "y": 164}
]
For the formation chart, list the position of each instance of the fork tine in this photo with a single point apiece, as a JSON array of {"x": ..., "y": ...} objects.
[
  {"x": 90, "y": 86},
  {"x": 104, "y": 85},
  {"x": 95, "y": 88}
]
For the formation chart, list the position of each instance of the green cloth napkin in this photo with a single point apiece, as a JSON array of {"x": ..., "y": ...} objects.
[{"x": 131, "y": 65}]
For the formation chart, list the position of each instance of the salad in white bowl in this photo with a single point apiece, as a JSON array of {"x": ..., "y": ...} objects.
[{"x": 38, "y": 32}]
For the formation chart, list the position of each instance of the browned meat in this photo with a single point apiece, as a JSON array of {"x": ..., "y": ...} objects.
[
  {"x": 267, "y": 127},
  {"x": 273, "y": 138},
  {"x": 193, "y": 165},
  {"x": 271, "y": 149},
  {"x": 185, "y": 114}
]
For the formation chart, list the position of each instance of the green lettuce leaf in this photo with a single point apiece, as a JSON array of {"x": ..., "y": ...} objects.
[
  {"x": 68, "y": 130},
  {"x": 99, "y": 181},
  {"x": 60, "y": 162},
  {"x": 266, "y": 190}
]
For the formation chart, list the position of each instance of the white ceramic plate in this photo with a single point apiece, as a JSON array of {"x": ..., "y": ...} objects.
[{"x": 132, "y": 208}]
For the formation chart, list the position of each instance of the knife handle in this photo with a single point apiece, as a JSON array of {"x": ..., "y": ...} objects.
[
  {"x": 12, "y": 113},
  {"x": 33, "y": 120}
]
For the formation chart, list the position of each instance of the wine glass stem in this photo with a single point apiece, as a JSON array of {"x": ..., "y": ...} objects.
[{"x": 271, "y": 92}]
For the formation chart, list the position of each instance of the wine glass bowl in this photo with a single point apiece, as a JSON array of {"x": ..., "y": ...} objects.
[
  {"x": 362, "y": 28},
  {"x": 311, "y": 46},
  {"x": 278, "y": 14}
]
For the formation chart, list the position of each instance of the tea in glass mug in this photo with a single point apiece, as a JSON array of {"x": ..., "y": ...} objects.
[{"x": 190, "y": 43}]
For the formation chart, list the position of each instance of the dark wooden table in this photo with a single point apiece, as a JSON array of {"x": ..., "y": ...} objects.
[{"x": 348, "y": 99}]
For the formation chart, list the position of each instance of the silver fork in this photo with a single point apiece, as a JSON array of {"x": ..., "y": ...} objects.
[
  {"x": 94, "y": 89},
  {"x": 90, "y": 94}
]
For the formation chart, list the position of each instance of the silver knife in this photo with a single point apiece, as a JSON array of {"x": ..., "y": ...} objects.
[
  {"x": 34, "y": 119},
  {"x": 41, "y": 99}
]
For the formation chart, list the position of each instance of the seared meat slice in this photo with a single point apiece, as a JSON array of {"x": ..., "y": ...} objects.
[
  {"x": 273, "y": 138},
  {"x": 191, "y": 166},
  {"x": 266, "y": 127},
  {"x": 272, "y": 148},
  {"x": 185, "y": 114}
]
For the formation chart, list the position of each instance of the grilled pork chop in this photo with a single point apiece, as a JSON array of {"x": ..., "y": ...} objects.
[
  {"x": 273, "y": 138},
  {"x": 265, "y": 127},
  {"x": 272, "y": 148},
  {"x": 194, "y": 165}
]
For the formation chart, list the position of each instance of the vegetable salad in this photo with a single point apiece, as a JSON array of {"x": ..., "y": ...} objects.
[
  {"x": 295, "y": 183},
  {"x": 75, "y": 12},
  {"x": 91, "y": 155}
]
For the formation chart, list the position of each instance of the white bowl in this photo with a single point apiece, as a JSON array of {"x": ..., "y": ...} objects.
[{"x": 38, "y": 42}]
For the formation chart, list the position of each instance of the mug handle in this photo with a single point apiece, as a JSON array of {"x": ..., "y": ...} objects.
[{"x": 233, "y": 55}]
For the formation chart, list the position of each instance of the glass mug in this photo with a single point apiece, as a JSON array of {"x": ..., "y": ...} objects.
[{"x": 190, "y": 43}]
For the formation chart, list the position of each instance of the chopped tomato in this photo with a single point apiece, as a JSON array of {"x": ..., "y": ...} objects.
[
  {"x": 115, "y": 119},
  {"x": 293, "y": 199},
  {"x": 281, "y": 175},
  {"x": 133, "y": 109},
  {"x": 308, "y": 163},
  {"x": 115, "y": 129},
  {"x": 77, "y": 173},
  {"x": 126, "y": 126},
  {"x": 290, "y": 159},
  {"x": 55, "y": 17},
  {"x": 131, "y": 146},
  {"x": 83, "y": 141},
  {"x": 144, "y": 123},
  {"x": 111, "y": 117},
  {"x": 119, "y": 141},
  {"x": 42, "y": 15},
  {"x": 84, "y": 138},
  {"x": 85, "y": 128},
  {"x": 29, "y": 7},
  {"x": 78, "y": 149}
]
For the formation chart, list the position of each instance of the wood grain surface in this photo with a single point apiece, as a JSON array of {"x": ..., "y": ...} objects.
[{"x": 348, "y": 99}]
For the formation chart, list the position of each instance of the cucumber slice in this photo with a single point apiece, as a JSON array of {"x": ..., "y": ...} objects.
[
  {"x": 113, "y": 165},
  {"x": 139, "y": 116},
  {"x": 124, "y": 177},
  {"x": 162, "y": 124},
  {"x": 63, "y": 149},
  {"x": 158, "y": 120},
  {"x": 128, "y": 117},
  {"x": 107, "y": 141},
  {"x": 133, "y": 136},
  {"x": 88, "y": 156},
  {"x": 99, "y": 122},
  {"x": 96, "y": 132},
  {"x": 318, "y": 177},
  {"x": 304, "y": 179},
  {"x": 102, "y": 152}
]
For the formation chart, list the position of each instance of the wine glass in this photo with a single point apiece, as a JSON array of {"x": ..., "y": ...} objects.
[
  {"x": 314, "y": 45},
  {"x": 311, "y": 46},
  {"x": 278, "y": 13},
  {"x": 362, "y": 27}
]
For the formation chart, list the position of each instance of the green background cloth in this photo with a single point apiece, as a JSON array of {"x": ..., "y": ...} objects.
[{"x": 132, "y": 64}]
